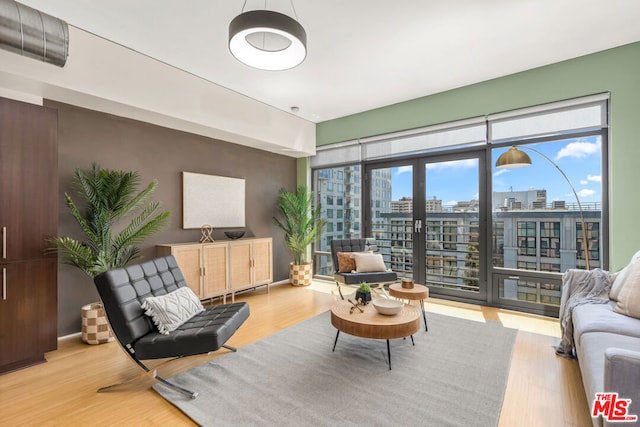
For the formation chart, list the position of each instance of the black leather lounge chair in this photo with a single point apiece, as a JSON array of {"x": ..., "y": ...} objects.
[
  {"x": 353, "y": 279},
  {"x": 124, "y": 290}
]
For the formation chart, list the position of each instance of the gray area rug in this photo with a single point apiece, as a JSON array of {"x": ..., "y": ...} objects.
[{"x": 455, "y": 375}]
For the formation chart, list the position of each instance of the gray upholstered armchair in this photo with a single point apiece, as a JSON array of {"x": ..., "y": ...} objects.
[
  {"x": 123, "y": 292},
  {"x": 347, "y": 276}
]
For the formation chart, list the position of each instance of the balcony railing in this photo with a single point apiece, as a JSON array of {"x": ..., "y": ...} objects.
[{"x": 451, "y": 259}]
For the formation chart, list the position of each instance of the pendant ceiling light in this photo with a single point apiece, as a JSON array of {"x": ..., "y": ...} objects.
[{"x": 267, "y": 40}]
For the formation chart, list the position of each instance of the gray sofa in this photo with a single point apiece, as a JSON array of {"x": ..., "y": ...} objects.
[{"x": 607, "y": 346}]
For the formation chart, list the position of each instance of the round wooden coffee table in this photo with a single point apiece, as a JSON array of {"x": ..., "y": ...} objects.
[
  {"x": 371, "y": 324},
  {"x": 418, "y": 292}
]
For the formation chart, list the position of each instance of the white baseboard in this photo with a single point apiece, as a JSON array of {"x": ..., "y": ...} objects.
[
  {"x": 66, "y": 337},
  {"x": 78, "y": 334}
]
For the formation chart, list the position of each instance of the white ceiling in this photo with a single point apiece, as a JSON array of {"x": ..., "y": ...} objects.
[{"x": 362, "y": 54}]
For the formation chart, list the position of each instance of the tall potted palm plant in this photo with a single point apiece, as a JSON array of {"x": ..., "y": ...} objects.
[
  {"x": 301, "y": 223},
  {"x": 109, "y": 196}
]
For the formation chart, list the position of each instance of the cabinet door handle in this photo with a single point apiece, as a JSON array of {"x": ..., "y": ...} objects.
[
  {"x": 4, "y": 284},
  {"x": 4, "y": 242}
]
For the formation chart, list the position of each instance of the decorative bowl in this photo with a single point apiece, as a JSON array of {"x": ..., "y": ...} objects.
[
  {"x": 388, "y": 307},
  {"x": 407, "y": 283},
  {"x": 234, "y": 234}
]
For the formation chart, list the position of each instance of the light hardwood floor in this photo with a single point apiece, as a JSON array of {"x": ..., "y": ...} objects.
[{"x": 543, "y": 389}]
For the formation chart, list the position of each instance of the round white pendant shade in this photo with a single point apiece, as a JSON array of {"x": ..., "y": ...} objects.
[{"x": 267, "y": 40}]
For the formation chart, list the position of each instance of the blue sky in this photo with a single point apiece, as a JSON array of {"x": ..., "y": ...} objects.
[{"x": 580, "y": 159}]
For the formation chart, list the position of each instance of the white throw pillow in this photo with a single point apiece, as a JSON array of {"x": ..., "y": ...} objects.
[
  {"x": 629, "y": 297},
  {"x": 172, "y": 310},
  {"x": 621, "y": 278},
  {"x": 368, "y": 263}
]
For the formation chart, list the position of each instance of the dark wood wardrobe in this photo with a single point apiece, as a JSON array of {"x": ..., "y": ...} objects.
[{"x": 28, "y": 218}]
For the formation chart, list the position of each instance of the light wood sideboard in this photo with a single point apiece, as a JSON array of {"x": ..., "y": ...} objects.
[{"x": 223, "y": 267}]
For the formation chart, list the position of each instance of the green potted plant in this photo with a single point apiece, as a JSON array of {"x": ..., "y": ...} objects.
[
  {"x": 363, "y": 293},
  {"x": 108, "y": 197},
  {"x": 301, "y": 223}
]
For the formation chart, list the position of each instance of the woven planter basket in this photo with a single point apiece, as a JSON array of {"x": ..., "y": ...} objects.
[
  {"x": 95, "y": 329},
  {"x": 300, "y": 275}
]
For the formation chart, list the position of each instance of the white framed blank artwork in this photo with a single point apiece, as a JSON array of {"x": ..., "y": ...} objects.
[{"x": 217, "y": 201}]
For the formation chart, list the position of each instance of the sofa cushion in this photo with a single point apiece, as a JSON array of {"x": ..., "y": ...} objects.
[
  {"x": 629, "y": 296},
  {"x": 590, "y": 354},
  {"x": 601, "y": 318},
  {"x": 357, "y": 278},
  {"x": 173, "y": 309}
]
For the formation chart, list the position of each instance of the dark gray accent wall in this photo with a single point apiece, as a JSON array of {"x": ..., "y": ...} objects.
[{"x": 86, "y": 136}]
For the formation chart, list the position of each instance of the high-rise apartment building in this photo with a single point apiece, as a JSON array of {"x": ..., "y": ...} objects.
[
  {"x": 339, "y": 191},
  {"x": 404, "y": 205}
]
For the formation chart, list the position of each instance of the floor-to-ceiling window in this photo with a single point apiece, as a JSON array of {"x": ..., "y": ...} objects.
[
  {"x": 538, "y": 214},
  {"x": 338, "y": 191},
  {"x": 541, "y": 205},
  {"x": 443, "y": 213}
]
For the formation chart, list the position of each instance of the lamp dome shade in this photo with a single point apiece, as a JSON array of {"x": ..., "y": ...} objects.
[{"x": 513, "y": 158}]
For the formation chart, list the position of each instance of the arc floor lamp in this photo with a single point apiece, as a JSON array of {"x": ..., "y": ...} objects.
[{"x": 513, "y": 158}]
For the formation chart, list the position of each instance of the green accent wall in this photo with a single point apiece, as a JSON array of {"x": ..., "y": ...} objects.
[
  {"x": 303, "y": 175},
  {"x": 615, "y": 70}
]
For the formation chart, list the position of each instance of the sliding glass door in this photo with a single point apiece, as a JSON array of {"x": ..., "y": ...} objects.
[
  {"x": 425, "y": 214},
  {"x": 390, "y": 215},
  {"x": 451, "y": 228}
]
